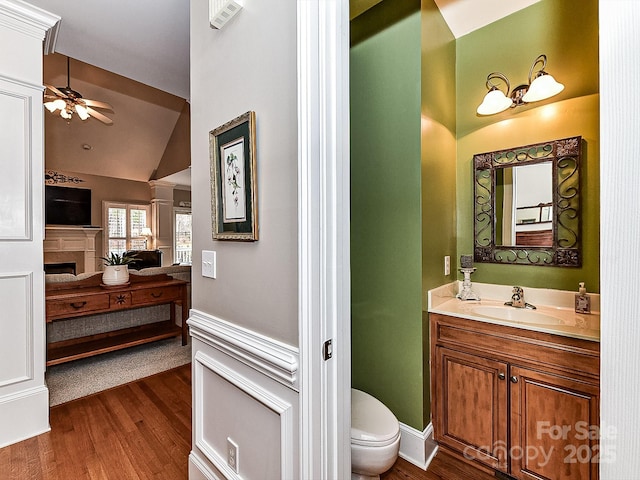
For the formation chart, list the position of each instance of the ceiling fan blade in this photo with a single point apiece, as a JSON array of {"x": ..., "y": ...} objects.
[
  {"x": 56, "y": 91},
  {"x": 99, "y": 116},
  {"x": 95, "y": 103}
]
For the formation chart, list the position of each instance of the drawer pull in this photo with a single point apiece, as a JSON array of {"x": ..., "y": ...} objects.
[
  {"x": 77, "y": 305},
  {"x": 156, "y": 294}
]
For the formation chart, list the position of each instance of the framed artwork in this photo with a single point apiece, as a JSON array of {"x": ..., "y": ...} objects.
[{"x": 232, "y": 151}]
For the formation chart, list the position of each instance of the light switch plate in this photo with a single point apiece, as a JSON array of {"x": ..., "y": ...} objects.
[{"x": 208, "y": 264}]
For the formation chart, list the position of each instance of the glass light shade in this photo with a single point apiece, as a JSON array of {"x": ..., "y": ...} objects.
[
  {"x": 65, "y": 114},
  {"x": 51, "y": 106},
  {"x": 494, "y": 102},
  {"x": 542, "y": 87},
  {"x": 55, "y": 105},
  {"x": 82, "y": 112}
]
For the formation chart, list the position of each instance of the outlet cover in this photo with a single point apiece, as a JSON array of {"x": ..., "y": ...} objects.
[
  {"x": 232, "y": 454},
  {"x": 447, "y": 265}
]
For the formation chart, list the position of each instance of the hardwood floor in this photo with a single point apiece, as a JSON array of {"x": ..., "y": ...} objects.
[
  {"x": 142, "y": 430},
  {"x": 443, "y": 467}
]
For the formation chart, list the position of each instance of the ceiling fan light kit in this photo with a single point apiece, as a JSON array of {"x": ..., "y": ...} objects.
[{"x": 66, "y": 101}]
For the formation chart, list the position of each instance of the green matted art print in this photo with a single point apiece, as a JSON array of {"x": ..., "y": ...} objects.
[{"x": 232, "y": 151}]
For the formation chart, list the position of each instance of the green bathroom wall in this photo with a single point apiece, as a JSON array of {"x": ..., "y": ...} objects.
[
  {"x": 567, "y": 32},
  {"x": 438, "y": 166},
  {"x": 414, "y": 131},
  {"x": 386, "y": 235}
]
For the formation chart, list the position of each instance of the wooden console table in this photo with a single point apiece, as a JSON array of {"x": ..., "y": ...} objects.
[{"x": 80, "y": 298}]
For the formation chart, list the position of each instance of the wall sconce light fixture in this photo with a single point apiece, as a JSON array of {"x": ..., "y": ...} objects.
[{"x": 540, "y": 87}]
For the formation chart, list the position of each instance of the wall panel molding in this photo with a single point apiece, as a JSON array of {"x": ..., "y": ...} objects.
[
  {"x": 17, "y": 338},
  {"x": 17, "y": 104},
  {"x": 266, "y": 398},
  {"x": 266, "y": 355}
]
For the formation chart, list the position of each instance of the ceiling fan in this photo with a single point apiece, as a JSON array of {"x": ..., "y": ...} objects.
[{"x": 68, "y": 102}]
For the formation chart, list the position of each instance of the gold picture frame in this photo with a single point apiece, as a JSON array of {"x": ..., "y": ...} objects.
[{"x": 232, "y": 153}]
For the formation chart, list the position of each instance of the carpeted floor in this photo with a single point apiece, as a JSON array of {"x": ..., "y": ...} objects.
[{"x": 80, "y": 378}]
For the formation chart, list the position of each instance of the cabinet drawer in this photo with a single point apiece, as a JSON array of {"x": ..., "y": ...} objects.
[
  {"x": 77, "y": 305},
  {"x": 518, "y": 345},
  {"x": 154, "y": 295}
]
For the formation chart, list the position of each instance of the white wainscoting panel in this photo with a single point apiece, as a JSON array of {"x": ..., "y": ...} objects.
[
  {"x": 24, "y": 399},
  {"x": 16, "y": 328},
  {"x": 15, "y": 159},
  {"x": 244, "y": 389}
]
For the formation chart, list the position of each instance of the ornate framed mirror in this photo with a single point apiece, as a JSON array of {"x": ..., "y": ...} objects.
[{"x": 527, "y": 204}]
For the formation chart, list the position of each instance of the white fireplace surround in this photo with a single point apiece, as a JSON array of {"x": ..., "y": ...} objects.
[{"x": 71, "y": 244}]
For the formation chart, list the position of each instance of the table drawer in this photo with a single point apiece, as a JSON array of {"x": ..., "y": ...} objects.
[
  {"x": 155, "y": 295},
  {"x": 120, "y": 300},
  {"x": 77, "y": 306}
]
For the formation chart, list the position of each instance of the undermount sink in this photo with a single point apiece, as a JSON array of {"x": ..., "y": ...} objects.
[{"x": 516, "y": 315}]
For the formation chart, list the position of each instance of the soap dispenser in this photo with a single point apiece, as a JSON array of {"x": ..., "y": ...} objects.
[{"x": 583, "y": 301}]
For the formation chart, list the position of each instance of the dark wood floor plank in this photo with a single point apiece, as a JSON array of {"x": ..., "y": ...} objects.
[
  {"x": 142, "y": 430},
  {"x": 443, "y": 467}
]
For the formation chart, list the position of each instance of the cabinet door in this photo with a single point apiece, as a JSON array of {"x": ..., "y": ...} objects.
[
  {"x": 554, "y": 426},
  {"x": 470, "y": 405}
]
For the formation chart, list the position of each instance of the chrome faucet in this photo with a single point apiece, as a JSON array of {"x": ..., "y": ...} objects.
[{"x": 517, "y": 299}]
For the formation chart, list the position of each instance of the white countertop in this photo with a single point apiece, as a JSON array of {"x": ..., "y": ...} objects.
[{"x": 552, "y": 317}]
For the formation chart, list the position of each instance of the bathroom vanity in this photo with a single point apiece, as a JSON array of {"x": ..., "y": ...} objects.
[{"x": 515, "y": 392}]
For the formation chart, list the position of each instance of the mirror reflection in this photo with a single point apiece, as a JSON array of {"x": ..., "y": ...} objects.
[{"x": 526, "y": 204}]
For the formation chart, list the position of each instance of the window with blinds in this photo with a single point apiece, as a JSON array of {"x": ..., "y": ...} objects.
[{"x": 124, "y": 224}]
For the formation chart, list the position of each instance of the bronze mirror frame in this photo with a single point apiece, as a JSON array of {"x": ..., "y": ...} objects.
[{"x": 565, "y": 251}]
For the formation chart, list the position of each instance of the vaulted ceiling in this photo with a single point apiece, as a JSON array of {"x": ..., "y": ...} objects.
[
  {"x": 135, "y": 56},
  {"x": 144, "y": 120}
]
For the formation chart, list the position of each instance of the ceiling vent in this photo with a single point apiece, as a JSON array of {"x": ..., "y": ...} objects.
[{"x": 221, "y": 11}]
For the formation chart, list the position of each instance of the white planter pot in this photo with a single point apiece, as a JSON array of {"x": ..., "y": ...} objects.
[{"x": 115, "y": 275}]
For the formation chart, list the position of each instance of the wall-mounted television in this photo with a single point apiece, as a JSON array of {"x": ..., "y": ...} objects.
[{"x": 67, "y": 206}]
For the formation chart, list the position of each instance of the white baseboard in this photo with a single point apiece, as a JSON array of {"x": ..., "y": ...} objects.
[
  {"x": 417, "y": 447},
  {"x": 199, "y": 470},
  {"x": 24, "y": 415}
]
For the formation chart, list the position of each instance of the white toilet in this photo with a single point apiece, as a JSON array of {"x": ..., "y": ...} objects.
[{"x": 375, "y": 437}]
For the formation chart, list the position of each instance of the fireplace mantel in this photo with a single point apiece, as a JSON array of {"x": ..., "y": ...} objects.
[{"x": 66, "y": 239}]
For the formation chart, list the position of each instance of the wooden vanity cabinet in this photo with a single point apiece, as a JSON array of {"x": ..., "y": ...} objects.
[
  {"x": 472, "y": 406},
  {"x": 520, "y": 402}
]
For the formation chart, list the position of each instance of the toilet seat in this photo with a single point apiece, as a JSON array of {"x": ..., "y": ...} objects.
[{"x": 372, "y": 423}]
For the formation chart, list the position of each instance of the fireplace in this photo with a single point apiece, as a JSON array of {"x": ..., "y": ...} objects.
[
  {"x": 62, "y": 267},
  {"x": 71, "y": 245}
]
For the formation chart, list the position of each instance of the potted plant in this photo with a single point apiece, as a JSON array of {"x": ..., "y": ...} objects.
[{"x": 116, "y": 270}]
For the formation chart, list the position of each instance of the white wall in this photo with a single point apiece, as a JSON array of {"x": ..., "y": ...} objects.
[
  {"x": 244, "y": 323},
  {"x": 620, "y": 239},
  {"x": 249, "y": 65}
]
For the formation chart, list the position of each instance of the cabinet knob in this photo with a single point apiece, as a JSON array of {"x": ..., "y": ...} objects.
[
  {"x": 514, "y": 379},
  {"x": 501, "y": 376}
]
